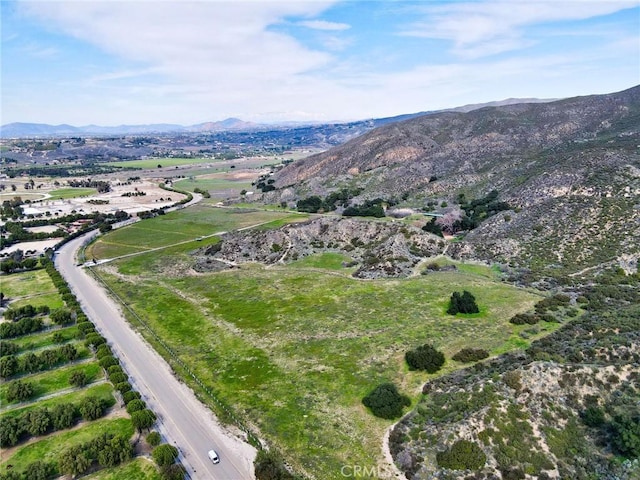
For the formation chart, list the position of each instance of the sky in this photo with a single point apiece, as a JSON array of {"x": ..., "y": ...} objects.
[{"x": 164, "y": 61}]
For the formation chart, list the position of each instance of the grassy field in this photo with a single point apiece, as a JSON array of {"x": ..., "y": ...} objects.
[
  {"x": 218, "y": 185},
  {"x": 55, "y": 380},
  {"x": 295, "y": 348},
  {"x": 184, "y": 225},
  {"x": 136, "y": 469},
  {"x": 27, "y": 284},
  {"x": 44, "y": 339},
  {"x": 165, "y": 162},
  {"x": 70, "y": 192}
]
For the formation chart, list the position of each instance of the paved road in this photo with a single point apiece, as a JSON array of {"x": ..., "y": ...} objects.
[{"x": 183, "y": 420}]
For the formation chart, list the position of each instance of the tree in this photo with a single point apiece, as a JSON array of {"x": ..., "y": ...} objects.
[
  {"x": 78, "y": 378},
  {"x": 143, "y": 419},
  {"x": 135, "y": 406},
  {"x": 61, "y": 316},
  {"x": 462, "y": 455},
  {"x": 463, "y": 302},
  {"x": 74, "y": 461},
  {"x": 154, "y": 439},
  {"x": 385, "y": 401},
  {"x": 449, "y": 219},
  {"x": 10, "y": 431},
  {"x": 115, "y": 451},
  {"x": 164, "y": 454},
  {"x": 39, "y": 470},
  {"x": 63, "y": 415},
  {"x": 425, "y": 357},
  {"x": 38, "y": 421},
  {"x": 19, "y": 390},
  {"x": 91, "y": 408},
  {"x": 8, "y": 366},
  {"x": 269, "y": 465}
]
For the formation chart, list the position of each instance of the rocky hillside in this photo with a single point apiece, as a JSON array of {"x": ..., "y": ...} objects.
[
  {"x": 570, "y": 169},
  {"x": 567, "y": 408},
  {"x": 377, "y": 249}
]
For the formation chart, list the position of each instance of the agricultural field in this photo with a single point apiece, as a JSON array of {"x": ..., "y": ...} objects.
[
  {"x": 295, "y": 348},
  {"x": 181, "y": 226},
  {"x": 71, "y": 192},
  {"x": 163, "y": 162},
  {"x": 55, "y": 395}
]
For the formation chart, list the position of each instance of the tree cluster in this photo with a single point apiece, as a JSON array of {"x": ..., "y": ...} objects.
[
  {"x": 43, "y": 420},
  {"x": 26, "y": 311},
  {"x": 315, "y": 204},
  {"x": 106, "y": 450},
  {"x": 463, "y": 302},
  {"x": 370, "y": 208},
  {"x": 385, "y": 401},
  {"x": 425, "y": 357},
  {"x": 21, "y": 327},
  {"x": 35, "y": 362}
]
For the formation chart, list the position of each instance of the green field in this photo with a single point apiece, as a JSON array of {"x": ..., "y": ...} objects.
[
  {"x": 164, "y": 162},
  {"x": 213, "y": 185},
  {"x": 48, "y": 382},
  {"x": 44, "y": 339},
  {"x": 180, "y": 226},
  {"x": 64, "y": 193},
  {"x": 136, "y": 469},
  {"x": 27, "y": 284},
  {"x": 294, "y": 349}
]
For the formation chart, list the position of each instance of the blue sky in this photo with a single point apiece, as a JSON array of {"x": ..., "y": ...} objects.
[{"x": 162, "y": 61}]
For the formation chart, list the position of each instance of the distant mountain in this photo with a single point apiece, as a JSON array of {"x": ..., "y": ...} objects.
[
  {"x": 17, "y": 130},
  {"x": 570, "y": 169}
]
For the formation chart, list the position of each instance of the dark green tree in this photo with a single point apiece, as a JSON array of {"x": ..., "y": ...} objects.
[
  {"x": 91, "y": 408},
  {"x": 164, "y": 454},
  {"x": 463, "y": 302},
  {"x": 143, "y": 419},
  {"x": 625, "y": 434},
  {"x": 385, "y": 401},
  {"x": 425, "y": 357},
  {"x": 39, "y": 470},
  {"x": 19, "y": 390},
  {"x": 154, "y": 439},
  {"x": 63, "y": 415},
  {"x": 78, "y": 378},
  {"x": 74, "y": 461}
]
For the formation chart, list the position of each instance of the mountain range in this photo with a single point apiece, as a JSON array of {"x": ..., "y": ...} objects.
[
  {"x": 19, "y": 129},
  {"x": 569, "y": 171}
]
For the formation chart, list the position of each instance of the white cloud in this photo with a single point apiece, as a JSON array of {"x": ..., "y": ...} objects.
[
  {"x": 484, "y": 28},
  {"x": 324, "y": 25}
]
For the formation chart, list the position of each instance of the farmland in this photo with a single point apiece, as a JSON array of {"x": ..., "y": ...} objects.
[{"x": 55, "y": 395}]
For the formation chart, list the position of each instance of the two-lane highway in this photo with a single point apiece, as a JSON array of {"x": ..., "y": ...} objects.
[{"x": 183, "y": 419}]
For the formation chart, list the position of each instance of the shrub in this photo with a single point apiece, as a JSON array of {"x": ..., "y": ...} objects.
[
  {"x": 175, "y": 471},
  {"x": 593, "y": 416},
  {"x": 135, "y": 406},
  {"x": 269, "y": 465},
  {"x": 467, "y": 355},
  {"x": 129, "y": 396},
  {"x": 385, "y": 401},
  {"x": 463, "y": 302},
  {"x": 425, "y": 357},
  {"x": 524, "y": 318},
  {"x": 625, "y": 431},
  {"x": 462, "y": 455}
]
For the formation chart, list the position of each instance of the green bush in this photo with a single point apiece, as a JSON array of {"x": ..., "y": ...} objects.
[
  {"x": 425, "y": 357},
  {"x": 467, "y": 355},
  {"x": 625, "y": 435},
  {"x": 462, "y": 455},
  {"x": 463, "y": 302},
  {"x": 268, "y": 465},
  {"x": 385, "y": 401}
]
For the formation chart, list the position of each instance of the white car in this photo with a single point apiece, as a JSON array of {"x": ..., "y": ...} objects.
[{"x": 213, "y": 456}]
